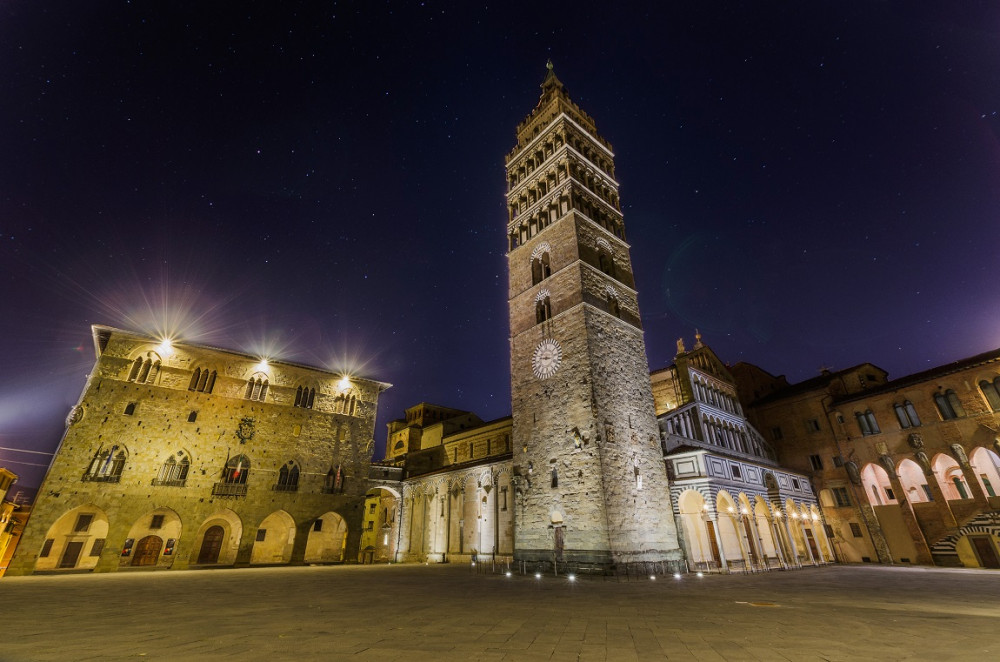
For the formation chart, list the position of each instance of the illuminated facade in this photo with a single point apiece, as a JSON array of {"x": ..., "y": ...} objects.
[
  {"x": 736, "y": 507},
  {"x": 180, "y": 456},
  {"x": 907, "y": 470}
]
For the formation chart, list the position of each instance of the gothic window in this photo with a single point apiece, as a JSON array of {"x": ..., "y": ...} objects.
[
  {"x": 202, "y": 381},
  {"x": 906, "y": 414},
  {"x": 288, "y": 478},
  {"x": 991, "y": 390},
  {"x": 145, "y": 369},
  {"x": 174, "y": 471},
  {"x": 614, "y": 307},
  {"x": 305, "y": 397},
  {"x": 257, "y": 387},
  {"x": 867, "y": 423},
  {"x": 106, "y": 466},
  {"x": 236, "y": 471},
  {"x": 948, "y": 405}
]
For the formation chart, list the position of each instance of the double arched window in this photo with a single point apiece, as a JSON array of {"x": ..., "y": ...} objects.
[
  {"x": 106, "y": 466},
  {"x": 174, "y": 471},
  {"x": 906, "y": 414},
  {"x": 540, "y": 269},
  {"x": 867, "y": 423},
  {"x": 288, "y": 478},
  {"x": 948, "y": 405},
  {"x": 543, "y": 306},
  {"x": 237, "y": 470},
  {"x": 991, "y": 391}
]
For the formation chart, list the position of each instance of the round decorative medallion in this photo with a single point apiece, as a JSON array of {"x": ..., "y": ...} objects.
[
  {"x": 546, "y": 360},
  {"x": 75, "y": 416}
]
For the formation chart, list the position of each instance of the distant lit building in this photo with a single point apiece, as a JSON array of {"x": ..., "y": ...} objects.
[
  {"x": 179, "y": 455},
  {"x": 907, "y": 469},
  {"x": 10, "y": 530}
]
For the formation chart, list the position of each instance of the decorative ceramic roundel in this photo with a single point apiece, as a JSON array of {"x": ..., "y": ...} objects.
[{"x": 546, "y": 360}]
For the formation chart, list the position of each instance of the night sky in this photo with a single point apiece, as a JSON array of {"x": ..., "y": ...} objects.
[{"x": 808, "y": 183}]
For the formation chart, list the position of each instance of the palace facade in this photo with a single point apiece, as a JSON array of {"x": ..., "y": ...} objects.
[{"x": 179, "y": 455}]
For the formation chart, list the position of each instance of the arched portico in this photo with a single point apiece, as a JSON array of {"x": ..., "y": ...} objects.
[
  {"x": 878, "y": 487},
  {"x": 950, "y": 477},
  {"x": 218, "y": 539},
  {"x": 152, "y": 539},
  {"x": 986, "y": 465},
  {"x": 327, "y": 539},
  {"x": 274, "y": 539}
]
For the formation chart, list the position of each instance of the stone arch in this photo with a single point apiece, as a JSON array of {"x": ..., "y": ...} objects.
[
  {"x": 274, "y": 539},
  {"x": 75, "y": 540},
  {"x": 729, "y": 525},
  {"x": 986, "y": 465},
  {"x": 162, "y": 523},
  {"x": 327, "y": 539},
  {"x": 699, "y": 538},
  {"x": 765, "y": 528},
  {"x": 218, "y": 539},
  {"x": 877, "y": 485},
  {"x": 950, "y": 477},
  {"x": 914, "y": 483}
]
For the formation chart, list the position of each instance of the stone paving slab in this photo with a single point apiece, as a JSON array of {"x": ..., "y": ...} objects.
[{"x": 384, "y": 613}]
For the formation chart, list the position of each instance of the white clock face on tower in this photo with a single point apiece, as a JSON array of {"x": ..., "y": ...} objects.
[{"x": 546, "y": 360}]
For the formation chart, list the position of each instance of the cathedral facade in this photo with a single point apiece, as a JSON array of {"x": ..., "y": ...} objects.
[{"x": 179, "y": 455}]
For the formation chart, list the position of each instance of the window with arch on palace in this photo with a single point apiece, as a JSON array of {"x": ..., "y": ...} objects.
[
  {"x": 906, "y": 414},
  {"x": 288, "y": 478},
  {"x": 948, "y": 405},
  {"x": 257, "y": 388},
  {"x": 174, "y": 471},
  {"x": 106, "y": 466},
  {"x": 867, "y": 423},
  {"x": 145, "y": 369},
  {"x": 991, "y": 391},
  {"x": 237, "y": 470},
  {"x": 346, "y": 403},
  {"x": 305, "y": 397},
  {"x": 202, "y": 381}
]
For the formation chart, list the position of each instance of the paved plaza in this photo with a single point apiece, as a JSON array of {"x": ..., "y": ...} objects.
[{"x": 449, "y": 613}]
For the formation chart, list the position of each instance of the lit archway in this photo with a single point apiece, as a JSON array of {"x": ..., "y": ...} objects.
[
  {"x": 699, "y": 534},
  {"x": 878, "y": 488},
  {"x": 729, "y": 527},
  {"x": 950, "y": 478},
  {"x": 986, "y": 465},
  {"x": 327, "y": 539},
  {"x": 218, "y": 539},
  {"x": 75, "y": 540},
  {"x": 162, "y": 524},
  {"x": 911, "y": 476},
  {"x": 274, "y": 539}
]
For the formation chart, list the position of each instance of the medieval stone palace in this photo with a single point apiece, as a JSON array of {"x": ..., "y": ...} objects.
[{"x": 179, "y": 455}]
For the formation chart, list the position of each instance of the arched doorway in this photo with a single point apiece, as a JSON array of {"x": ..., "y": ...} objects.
[
  {"x": 211, "y": 544},
  {"x": 75, "y": 540},
  {"x": 911, "y": 476},
  {"x": 147, "y": 551},
  {"x": 950, "y": 478}
]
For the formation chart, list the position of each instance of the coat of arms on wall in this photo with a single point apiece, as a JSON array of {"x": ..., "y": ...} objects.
[{"x": 246, "y": 430}]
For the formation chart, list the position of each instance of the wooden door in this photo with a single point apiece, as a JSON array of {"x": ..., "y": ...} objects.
[
  {"x": 985, "y": 550},
  {"x": 812, "y": 545},
  {"x": 211, "y": 545},
  {"x": 71, "y": 554},
  {"x": 713, "y": 543},
  {"x": 147, "y": 552},
  {"x": 559, "y": 543}
]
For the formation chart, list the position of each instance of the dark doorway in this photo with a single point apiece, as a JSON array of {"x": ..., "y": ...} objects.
[
  {"x": 147, "y": 552},
  {"x": 713, "y": 543},
  {"x": 985, "y": 550},
  {"x": 559, "y": 542},
  {"x": 812, "y": 545},
  {"x": 211, "y": 545},
  {"x": 71, "y": 555}
]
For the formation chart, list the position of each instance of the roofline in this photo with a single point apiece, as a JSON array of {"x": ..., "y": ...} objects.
[{"x": 96, "y": 328}]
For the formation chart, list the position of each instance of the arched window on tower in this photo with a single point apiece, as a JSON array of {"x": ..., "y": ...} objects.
[
  {"x": 614, "y": 307},
  {"x": 543, "y": 309},
  {"x": 145, "y": 369},
  {"x": 540, "y": 269}
]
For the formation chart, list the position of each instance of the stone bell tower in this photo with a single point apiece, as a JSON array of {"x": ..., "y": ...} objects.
[{"x": 591, "y": 487}]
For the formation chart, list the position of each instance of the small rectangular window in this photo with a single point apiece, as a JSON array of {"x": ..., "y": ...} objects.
[
  {"x": 46, "y": 548},
  {"x": 318, "y": 525},
  {"x": 157, "y": 522},
  {"x": 262, "y": 533},
  {"x": 97, "y": 547},
  {"x": 889, "y": 493},
  {"x": 816, "y": 461},
  {"x": 841, "y": 497},
  {"x": 192, "y": 417},
  {"x": 812, "y": 425},
  {"x": 795, "y": 483},
  {"x": 83, "y": 523},
  {"x": 503, "y": 498},
  {"x": 371, "y": 508},
  {"x": 856, "y": 530},
  {"x": 129, "y": 409},
  {"x": 736, "y": 471},
  {"x": 927, "y": 491}
]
